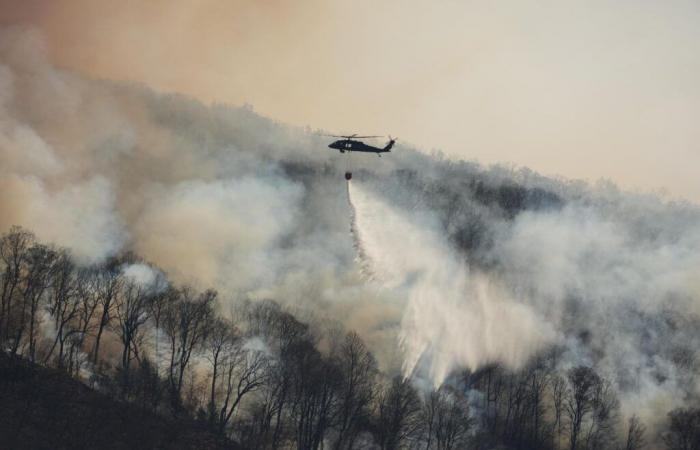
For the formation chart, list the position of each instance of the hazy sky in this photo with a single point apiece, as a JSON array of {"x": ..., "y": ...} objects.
[{"x": 584, "y": 89}]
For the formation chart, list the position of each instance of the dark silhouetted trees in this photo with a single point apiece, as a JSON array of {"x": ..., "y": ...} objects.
[
  {"x": 445, "y": 420},
  {"x": 268, "y": 380},
  {"x": 186, "y": 323},
  {"x": 356, "y": 390},
  {"x": 635, "y": 439},
  {"x": 683, "y": 429},
  {"x": 398, "y": 415}
]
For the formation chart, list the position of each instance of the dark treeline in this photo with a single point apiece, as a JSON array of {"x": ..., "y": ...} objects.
[{"x": 262, "y": 377}]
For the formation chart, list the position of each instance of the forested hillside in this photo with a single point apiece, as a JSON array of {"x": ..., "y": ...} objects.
[
  {"x": 201, "y": 262},
  {"x": 257, "y": 374}
]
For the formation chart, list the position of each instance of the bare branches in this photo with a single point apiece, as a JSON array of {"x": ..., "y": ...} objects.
[
  {"x": 636, "y": 431},
  {"x": 272, "y": 381},
  {"x": 186, "y": 323},
  {"x": 398, "y": 415}
]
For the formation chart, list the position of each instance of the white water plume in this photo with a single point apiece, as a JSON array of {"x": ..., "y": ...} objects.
[
  {"x": 452, "y": 318},
  {"x": 362, "y": 258}
]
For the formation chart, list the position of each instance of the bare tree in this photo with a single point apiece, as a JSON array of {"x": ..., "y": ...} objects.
[
  {"x": 446, "y": 421},
  {"x": 63, "y": 304},
  {"x": 603, "y": 418},
  {"x": 108, "y": 284},
  {"x": 683, "y": 430},
  {"x": 538, "y": 376},
  {"x": 283, "y": 334},
  {"x": 398, "y": 415},
  {"x": 429, "y": 413},
  {"x": 186, "y": 324},
  {"x": 315, "y": 380},
  {"x": 132, "y": 313},
  {"x": 358, "y": 371},
  {"x": 89, "y": 300},
  {"x": 580, "y": 400},
  {"x": 163, "y": 298},
  {"x": 35, "y": 281},
  {"x": 221, "y": 342},
  {"x": 635, "y": 434},
  {"x": 559, "y": 392},
  {"x": 13, "y": 256},
  {"x": 245, "y": 371}
]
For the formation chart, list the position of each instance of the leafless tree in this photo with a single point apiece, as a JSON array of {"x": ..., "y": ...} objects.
[
  {"x": 245, "y": 371},
  {"x": 89, "y": 300},
  {"x": 538, "y": 376},
  {"x": 559, "y": 391},
  {"x": 683, "y": 429},
  {"x": 163, "y": 298},
  {"x": 14, "y": 247},
  {"x": 580, "y": 400},
  {"x": 186, "y": 323},
  {"x": 35, "y": 281},
  {"x": 109, "y": 283},
  {"x": 446, "y": 421},
  {"x": 635, "y": 434},
  {"x": 131, "y": 309},
  {"x": 63, "y": 305},
  {"x": 600, "y": 433},
  {"x": 398, "y": 415},
  {"x": 283, "y": 335},
  {"x": 358, "y": 372},
  {"x": 221, "y": 342},
  {"x": 315, "y": 381}
]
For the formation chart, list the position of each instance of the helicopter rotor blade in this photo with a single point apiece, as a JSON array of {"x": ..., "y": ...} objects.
[
  {"x": 338, "y": 136},
  {"x": 349, "y": 136}
]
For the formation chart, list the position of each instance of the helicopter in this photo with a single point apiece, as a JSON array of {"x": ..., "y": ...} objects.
[{"x": 351, "y": 144}]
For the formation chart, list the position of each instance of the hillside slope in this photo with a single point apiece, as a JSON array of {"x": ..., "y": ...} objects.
[{"x": 42, "y": 408}]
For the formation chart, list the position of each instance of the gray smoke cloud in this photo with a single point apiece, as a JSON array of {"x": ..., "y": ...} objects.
[
  {"x": 621, "y": 281},
  {"x": 469, "y": 265}
]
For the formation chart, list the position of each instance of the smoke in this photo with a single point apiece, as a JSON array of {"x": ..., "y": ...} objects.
[
  {"x": 610, "y": 278},
  {"x": 622, "y": 287},
  {"x": 223, "y": 227},
  {"x": 614, "y": 95},
  {"x": 459, "y": 265}
]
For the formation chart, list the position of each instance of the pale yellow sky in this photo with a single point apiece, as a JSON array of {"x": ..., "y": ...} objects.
[{"x": 583, "y": 89}]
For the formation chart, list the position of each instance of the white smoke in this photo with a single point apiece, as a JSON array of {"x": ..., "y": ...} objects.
[
  {"x": 631, "y": 292},
  {"x": 80, "y": 216},
  {"x": 466, "y": 266},
  {"x": 146, "y": 277},
  {"x": 228, "y": 230},
  {"x": 611, "y": 279}
]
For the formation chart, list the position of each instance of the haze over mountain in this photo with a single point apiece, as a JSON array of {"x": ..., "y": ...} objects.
[
  {"x": 440, "y": 265},
  {"x": 585, "y": 90}
]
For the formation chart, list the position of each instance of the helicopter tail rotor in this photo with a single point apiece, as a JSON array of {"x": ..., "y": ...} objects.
[{"x": 390, "y": 144}]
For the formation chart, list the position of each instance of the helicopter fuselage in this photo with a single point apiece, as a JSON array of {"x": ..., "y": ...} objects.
[{"x": 349, "y": 145}]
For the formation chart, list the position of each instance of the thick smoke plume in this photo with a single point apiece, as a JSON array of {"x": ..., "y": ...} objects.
[{"x": 468, "y": 266}]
